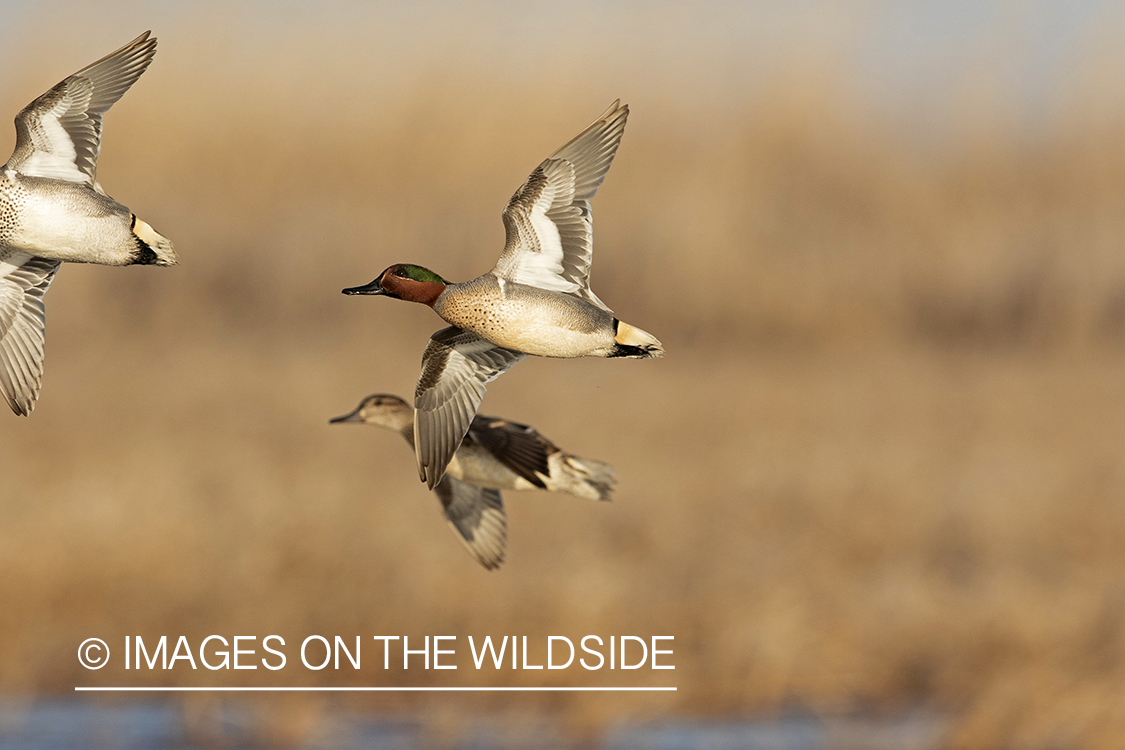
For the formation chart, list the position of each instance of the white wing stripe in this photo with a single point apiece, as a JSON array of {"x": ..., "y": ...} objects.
[
  {"x": 59, "y": 134},
  {"x": 548, "y": 222}
]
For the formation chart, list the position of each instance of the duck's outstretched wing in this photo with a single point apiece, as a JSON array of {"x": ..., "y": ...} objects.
[
  {"x": 59, "y": 134},
  {"x": 517, "y": 446},
  {"x": 548, "y": 224},
  {"x": 456, "y": 367},
  {"x": 23, "y": 282},
  {"x": 477, "y": 515}
]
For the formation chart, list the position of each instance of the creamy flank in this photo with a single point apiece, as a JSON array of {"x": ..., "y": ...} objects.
[{"x": 529, "y": 319}]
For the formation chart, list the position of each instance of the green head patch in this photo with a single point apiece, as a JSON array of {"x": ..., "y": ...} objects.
[{"x": 416, "y": 273}]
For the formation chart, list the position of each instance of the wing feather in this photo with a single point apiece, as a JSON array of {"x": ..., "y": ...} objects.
[
  {"x": 517, "y": 446},
  {"x": 24, "y": 280},
  {"x": 59, "y": 134},
  {"x": 477, "y": 516},
  {"x": 548, "y": 223},
  {"x": 456, "y": 367}
]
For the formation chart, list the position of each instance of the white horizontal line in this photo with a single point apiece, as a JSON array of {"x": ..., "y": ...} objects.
[{"x": 369, "y": 689}]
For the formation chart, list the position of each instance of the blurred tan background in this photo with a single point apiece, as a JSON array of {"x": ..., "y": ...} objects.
[{"x": 879, "y": 470}]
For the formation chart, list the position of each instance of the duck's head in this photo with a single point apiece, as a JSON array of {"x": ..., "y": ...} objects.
[
  {"x": 404, "y": 281},
  {"x": 381, "y": 410}
]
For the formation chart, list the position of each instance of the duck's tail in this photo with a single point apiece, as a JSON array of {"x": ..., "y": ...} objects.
[
  {"x": 581, "y": 477},
  {"x": 633, "y": 342},
  {"x": 153, "y": 248}
]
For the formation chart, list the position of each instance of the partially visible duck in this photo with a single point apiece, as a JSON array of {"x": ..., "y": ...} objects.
[
  {"x": 495, "y": 455},
  {"x": 52, "y": 210},
  {"x": 536, "y": 300}
]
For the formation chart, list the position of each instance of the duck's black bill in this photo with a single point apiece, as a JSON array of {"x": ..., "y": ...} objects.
[
  {"x": 372, "y": 288},
  {"x": 353, "y": 417}
]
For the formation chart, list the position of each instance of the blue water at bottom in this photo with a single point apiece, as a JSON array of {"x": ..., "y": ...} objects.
[{"x": 83, "y": 725}]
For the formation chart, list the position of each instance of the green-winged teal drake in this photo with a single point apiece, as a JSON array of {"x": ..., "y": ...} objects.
[{"x": 52, "y": 210}]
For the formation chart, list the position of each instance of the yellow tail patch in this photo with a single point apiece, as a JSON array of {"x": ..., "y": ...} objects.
[
  {"x": 632, "y": 336},
  {"x": 158, "y": 243}
]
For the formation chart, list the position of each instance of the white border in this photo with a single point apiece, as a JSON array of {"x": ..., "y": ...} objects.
[{"x": 369, "y": 689}]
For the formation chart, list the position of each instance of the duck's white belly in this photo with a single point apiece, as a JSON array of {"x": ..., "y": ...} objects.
[{"x": 65, "y": 222}]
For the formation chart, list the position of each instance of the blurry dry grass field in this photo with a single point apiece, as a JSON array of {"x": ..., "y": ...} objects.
[{"x": 880, "y": 467}]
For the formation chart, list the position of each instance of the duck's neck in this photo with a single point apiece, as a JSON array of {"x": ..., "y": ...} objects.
[
  {"x": 410, "y": 290},
  {"x": 400, "y": 419},
  {"x": 407, "y": 431}
]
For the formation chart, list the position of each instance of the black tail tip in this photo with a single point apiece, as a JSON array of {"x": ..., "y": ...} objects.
[{"x": 636, "y": 352}]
